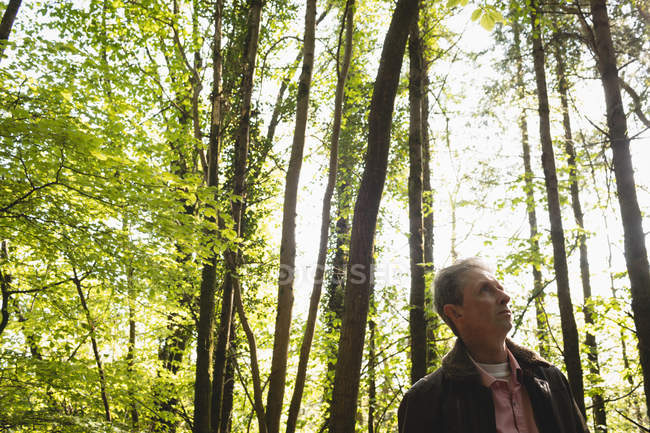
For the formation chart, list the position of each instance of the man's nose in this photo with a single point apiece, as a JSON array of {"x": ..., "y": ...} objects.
[{"x": 505, "y": 298}]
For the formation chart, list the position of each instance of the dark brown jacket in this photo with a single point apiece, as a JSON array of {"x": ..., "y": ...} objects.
[{"x": 453, "y": 400}]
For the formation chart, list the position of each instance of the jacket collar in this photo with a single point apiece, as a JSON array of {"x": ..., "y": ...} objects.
[{"x": 458, "y": 366}]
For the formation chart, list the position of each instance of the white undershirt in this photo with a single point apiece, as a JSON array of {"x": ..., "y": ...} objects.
[{"x": 499, "y": 371}]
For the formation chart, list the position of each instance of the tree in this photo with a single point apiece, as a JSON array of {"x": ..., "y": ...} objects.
[
  {"x": 277, "y": 378},
  {"x": 636, "y": 255},
  {"x": 569, "y": 330},
  {"x": 530, "y": 197},
  {"x": 600, "y": 419},
  {"x": 347, "y": 22},
  {"x": 417, "y": 321},
  {"x": 355, "y": 310},
  {"x": 7, "y": 23},
  {"x": 203, "y": 385}
]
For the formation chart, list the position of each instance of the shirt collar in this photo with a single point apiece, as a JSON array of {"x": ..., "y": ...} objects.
[{"x": 487, "y": 379}]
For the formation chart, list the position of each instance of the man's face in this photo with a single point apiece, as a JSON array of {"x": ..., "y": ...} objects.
[{"x": 484, "y": 312}]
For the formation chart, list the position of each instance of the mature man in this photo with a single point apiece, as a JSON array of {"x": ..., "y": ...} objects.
[{"x": 486, "y": 383}]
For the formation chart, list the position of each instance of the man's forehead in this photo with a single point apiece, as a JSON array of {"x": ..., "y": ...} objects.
[{"x": 476, "y": 276}]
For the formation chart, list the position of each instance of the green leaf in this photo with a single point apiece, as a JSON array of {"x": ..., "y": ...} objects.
[
  {"x": 98, "y": 155},
  {"x": 452, "y": 3},
  {"x": 496, "y": 15},
  {"x": 476, "y": 14},
  {"x": 487, "y": 22}
]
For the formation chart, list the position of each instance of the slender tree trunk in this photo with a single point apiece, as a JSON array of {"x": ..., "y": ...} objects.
[
  {"x": 278, "y": 375},
  {"x": 222, "y": 347},
  {"x": 348, "y": 24},
  {"x": 542, "y": 336},
  {"x": 600, "y": 419},
  {"x": 5, "y": 284},
  {"x": 7, "y": 23},
  {"x": 93, "y": 341},
  {"x": 334, "y": 307},
  {"x": 636, "y": 255},
  {"x": 433, "y": 321},
  {"x": 417, "y": 322},
  {"x": 228, "y": 388},
  {"x": 239, "y": 188},
  {"x": 258, "y": 405},
  {"x": 355, "y": 310},
  {"x": 610, "y": 255},
  {"x": 203, "y": 386},
  {"x": 569, "y": 328},
  {"x": 452, "y": 203},
  {"x": 279, "y": 99},
  {"x": 173, "y": 347},
  {"x": 372, "y": 363},
  {"x": 452, "y": 197},
  {"x": 130, "y": 354}
]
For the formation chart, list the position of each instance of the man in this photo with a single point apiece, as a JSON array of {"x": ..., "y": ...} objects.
[{"x": 486, "y": 383}]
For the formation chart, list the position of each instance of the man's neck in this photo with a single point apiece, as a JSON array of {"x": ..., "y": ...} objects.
[{"x": 487, "y": 352}]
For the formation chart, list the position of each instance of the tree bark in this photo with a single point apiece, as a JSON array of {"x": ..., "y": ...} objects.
[
  {"x": 529, "y": 190},
  {"x": 305, "y": 348},
  {"x": 569, "y": 330},
  {"x": 93, "y": 341},
  {"x": 5, "y": 281},
  {"x": 433, "y": 321},
  {"x": 636, "y": 255},
  {"x": 7, "y": 23},
  {"x": 232, "y": 257},
  {"x": 203, "y": 386},
  {"x": 334, "y": 307},
  {"x": 356, "y": 298},
  {"x": 372, "y": 362},
  {"x": 278, "y": 374},
  {"x": 600, "y": 419},
  {"x": 130, "y": 354},
  {"x": 417, "y": 322},
  {"x": 258, "y": 405},
  {"x": 226, "y": 402}
]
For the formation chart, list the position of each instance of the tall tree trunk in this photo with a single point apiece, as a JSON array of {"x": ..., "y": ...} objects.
[
  {"x": 417, "y": 322},
  {"x": 258, "y": 405},
  {"x": 355, "y": 310},
  {"x": 600, "y": 419},
  {"x": 93, "y": 340},
  {"x": 242, "y": 139},
  {"x": 305, "y": 348},
  {"x": 226, "y": 403},
  {"x": 372, "y": 363},
  {"x": 7, "y": 23},
  {"x": 173, "y": 347},
  {"x": 5, "y": 284},
  {"x": 203, "y": 386},
  {"x": 636, "y": 255},
  {"x": 433, "y": 321},
  {"x": 221, "y": 350},
  {"x": 626, "y": 363},
  {"x": 130, "y": 354},
  {"x": 282, "y": 333},
  {"x": 529, "y": 189},
  {"x": 279, "y": 99},
  {"x": 569, "y": 330},
  {"x": 334, "y": 307}
]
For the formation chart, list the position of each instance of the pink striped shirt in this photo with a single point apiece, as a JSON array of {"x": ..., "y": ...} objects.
[{"x": 512, "y": 409}]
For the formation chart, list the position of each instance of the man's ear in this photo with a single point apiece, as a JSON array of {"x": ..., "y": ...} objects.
[{"x": 452, "y": 311}]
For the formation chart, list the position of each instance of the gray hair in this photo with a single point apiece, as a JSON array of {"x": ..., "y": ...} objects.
[{"x": 449, "y": 282}]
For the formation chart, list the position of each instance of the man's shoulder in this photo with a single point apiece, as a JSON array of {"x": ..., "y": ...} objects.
[{"x": 428, "y": 384}]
